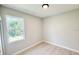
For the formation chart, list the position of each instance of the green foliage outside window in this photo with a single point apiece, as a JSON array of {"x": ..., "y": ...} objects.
[
  {"x": 15, "y": 29},
  {"x": 15, "y": 26}
]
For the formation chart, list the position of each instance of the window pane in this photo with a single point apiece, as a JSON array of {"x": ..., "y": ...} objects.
[{"x": 15, "y": 27}]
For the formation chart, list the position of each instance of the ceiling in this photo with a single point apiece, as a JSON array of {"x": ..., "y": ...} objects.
[{"x": 37, "y": 10}]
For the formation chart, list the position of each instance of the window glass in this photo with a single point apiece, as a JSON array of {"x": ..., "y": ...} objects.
[{"x": 15, "y": 27}]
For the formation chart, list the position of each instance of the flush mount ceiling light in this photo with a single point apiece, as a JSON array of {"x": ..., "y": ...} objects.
[{"x": 45, "y": 6}]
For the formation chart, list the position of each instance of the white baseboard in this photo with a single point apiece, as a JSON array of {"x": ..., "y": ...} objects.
[
  {"x": 27, "y": 48},
  {"x": 62, "y": 46}
]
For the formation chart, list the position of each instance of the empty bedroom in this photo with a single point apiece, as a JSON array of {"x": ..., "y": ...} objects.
[{"x": 39, "y": 29}]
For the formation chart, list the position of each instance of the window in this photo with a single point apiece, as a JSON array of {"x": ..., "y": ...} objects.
[{"x": 15, "y": 28}]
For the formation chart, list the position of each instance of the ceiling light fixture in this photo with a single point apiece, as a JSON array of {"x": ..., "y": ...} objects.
[{"x": 45, "y": 6}]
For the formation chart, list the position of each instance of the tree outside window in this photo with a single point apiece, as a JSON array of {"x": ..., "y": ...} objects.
[{"x": 15, "y": 26}]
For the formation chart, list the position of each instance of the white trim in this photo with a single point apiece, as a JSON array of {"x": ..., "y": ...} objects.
[
  {"x": 74, "y": 50},
  {"x": 27, "y": 48}
]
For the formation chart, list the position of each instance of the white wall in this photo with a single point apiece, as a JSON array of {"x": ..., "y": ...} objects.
[
  {"x": 63, "y": 29},
  {"x": 33, "y": 31}
]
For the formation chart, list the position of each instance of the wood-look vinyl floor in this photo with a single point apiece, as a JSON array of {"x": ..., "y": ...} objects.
[{"x": 47, "y": 49}]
